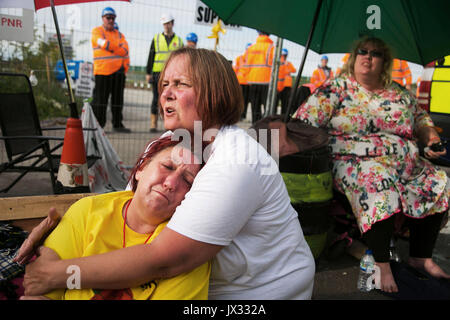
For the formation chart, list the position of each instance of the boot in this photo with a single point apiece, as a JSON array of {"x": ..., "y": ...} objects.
[{"x": 153, "y": 123}]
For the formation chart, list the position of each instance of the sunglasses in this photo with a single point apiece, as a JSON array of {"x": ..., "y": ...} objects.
[
  {"x": 372, "y": 53},
  {"x": 110, "y": 17}
]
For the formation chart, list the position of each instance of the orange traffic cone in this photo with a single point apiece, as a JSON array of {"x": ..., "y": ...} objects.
[{"x": 73, "y": 170}]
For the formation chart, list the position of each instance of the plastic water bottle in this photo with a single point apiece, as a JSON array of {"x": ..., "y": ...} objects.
[{"x": 366, "y": 268}]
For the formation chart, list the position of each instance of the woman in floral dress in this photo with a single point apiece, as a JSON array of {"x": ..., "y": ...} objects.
[{"x": 374, "y": 127}]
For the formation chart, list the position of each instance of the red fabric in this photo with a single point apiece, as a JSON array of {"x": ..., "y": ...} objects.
[
  {"x": 39, "y": 4},
  {"x": 19, "y": 291}
]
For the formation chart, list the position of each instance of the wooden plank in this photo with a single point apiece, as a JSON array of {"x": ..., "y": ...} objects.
[{"x": 31, "y": 207}]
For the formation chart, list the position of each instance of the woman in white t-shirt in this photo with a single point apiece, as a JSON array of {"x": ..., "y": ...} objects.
[{"x": 237, "y": 213}]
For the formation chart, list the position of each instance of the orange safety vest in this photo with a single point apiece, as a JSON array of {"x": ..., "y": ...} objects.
[
  {"x": 259, "y": 60},
  {"x": 284, "y": 75},
  {"x": 319, "y": 76},
  {"x": 344, "y": 61},
  {"x": 241, "y": 69},
  {"x": 401, "y": 73},
  {"x": 112, "y": 55},
  {"x": 419, "y": 80}
]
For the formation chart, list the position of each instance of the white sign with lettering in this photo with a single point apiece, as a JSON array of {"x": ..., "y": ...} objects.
[
  {"x": 17, "y": 28},
  {"x": 207, "y": 17},
  {"x": 85, "y": 83}
]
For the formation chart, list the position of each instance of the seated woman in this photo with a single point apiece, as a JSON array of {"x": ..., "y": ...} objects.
[
  {"x": 111, "y": 221},
  {"x": 237, "y": 214},
  {"x": 375, "y": 126}
]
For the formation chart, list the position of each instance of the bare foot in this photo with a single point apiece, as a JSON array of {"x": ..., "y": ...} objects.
[
  {"x": 429, "y": 266},
  {"x": 387, "y": 281}
]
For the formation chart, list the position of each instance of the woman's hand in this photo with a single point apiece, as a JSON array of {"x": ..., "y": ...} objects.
[
  {"x": 38, "y": 274},
  {"x": 36, "y": 237},
  {"x": 429, "y": 153}
]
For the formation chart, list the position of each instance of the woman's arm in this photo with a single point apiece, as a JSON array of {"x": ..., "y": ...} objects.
[
  {"x": 427, "y": 136},
  {"x": 37, "y": 237},
  {"x": 425, "y": 131},
  {"x": 318, "y": 109},
  {"x": 170, "y": 254}
]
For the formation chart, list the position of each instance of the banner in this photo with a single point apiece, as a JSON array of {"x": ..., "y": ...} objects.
[
  {"x": 108, "y": 174},
  {"x": 207, "y": 17}
]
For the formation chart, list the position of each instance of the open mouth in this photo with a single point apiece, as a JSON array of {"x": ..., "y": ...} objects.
[{"x": 169, "y": 110}]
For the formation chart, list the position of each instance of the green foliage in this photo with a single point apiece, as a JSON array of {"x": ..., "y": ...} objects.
[{"x": 51, "y": 98}]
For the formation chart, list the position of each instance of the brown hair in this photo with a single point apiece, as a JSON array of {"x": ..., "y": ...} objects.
[
  {"x": 386, "y": 77},
  {"x": 219, "y": 95}
]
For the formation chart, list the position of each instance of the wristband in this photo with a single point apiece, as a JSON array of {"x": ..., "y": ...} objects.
[{"x": 434, "y": 139}]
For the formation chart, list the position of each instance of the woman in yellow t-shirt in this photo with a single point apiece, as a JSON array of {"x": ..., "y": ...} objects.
[{"x": 103, "y": 223}]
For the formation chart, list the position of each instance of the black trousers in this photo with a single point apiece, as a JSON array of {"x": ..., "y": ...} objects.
[
  {"x": 111, "y": 85},
  {"x": 258, "y": 98},
  {"x": 245, "y": 92},
  {"x": 154, "y": 107},
  {"x": 422, "y": 236},
  {"x": 283, "y": 97}
]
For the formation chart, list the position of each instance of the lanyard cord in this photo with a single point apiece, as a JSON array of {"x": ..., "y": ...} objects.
[{"x": 125, "y": 223}]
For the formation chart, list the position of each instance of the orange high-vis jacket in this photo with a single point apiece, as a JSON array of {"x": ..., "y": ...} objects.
[
  {"x": 241, "y": 69},
  {"x": 112, "y": 54},
  {"x": 344, "y": 61},
  {"x": 401, "y": 73},
  {"x": 259, "y": 60},
  {"x": 319, "y": 76},
  {"x": 419, "y": 80},
  {"x": 284, "y": 75}
]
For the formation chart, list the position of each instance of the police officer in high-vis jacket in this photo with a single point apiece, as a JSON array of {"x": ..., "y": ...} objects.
[
  {"x": 111, "y": 63},
  {"x": 162, "y": 44}
]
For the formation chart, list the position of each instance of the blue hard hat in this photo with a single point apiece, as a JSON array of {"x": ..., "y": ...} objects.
[
  {"x": 284, "y": 52},
  {"x": 108, "y": 10},
  {"x": 324, "y": 58},
  {"x": 192, "y": 37}
]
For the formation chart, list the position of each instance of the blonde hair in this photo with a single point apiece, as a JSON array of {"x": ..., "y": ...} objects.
[{"x": 386, "y": 77}]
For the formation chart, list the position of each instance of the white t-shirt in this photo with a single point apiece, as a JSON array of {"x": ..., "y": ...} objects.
[{"x": 239, "y": 200}]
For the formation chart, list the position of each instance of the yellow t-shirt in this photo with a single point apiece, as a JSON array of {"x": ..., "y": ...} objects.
[{"x": 94, "y": 225}]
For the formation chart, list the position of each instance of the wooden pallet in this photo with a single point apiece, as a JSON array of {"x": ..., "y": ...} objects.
[{"x": 26, "y": 212}]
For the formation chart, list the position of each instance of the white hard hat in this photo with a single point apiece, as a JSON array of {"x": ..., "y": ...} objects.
[{"x": 166, "y": 17}]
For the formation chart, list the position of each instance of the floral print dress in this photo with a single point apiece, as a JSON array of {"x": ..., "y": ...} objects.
[{"x": 376, "y": 161}]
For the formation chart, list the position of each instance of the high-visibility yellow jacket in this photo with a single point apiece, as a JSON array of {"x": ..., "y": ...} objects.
[
  {"x": 241, "y": 69},
  {"x": 112, "y": 55},
  {"x": 284, "y": 74},
  {"x": 319, "y": 76},
  {"x": 440, "y": 87},
  {"x": 162, "y": 50},
  {"x": 259, "y": 60},
  {"x": 401, "y": 73}
]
